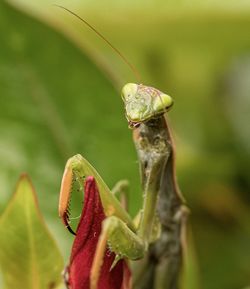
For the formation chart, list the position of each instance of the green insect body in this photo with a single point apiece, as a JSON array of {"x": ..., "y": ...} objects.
[
  {"x": 124, "y": 237},
  {"x": 127, "y": 238}
]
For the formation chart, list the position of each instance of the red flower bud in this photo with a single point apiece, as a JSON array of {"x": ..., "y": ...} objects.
[{"x": 84, "y": 246}]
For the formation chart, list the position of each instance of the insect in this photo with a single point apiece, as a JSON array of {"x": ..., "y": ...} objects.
[{"x": 144, "y": 108}]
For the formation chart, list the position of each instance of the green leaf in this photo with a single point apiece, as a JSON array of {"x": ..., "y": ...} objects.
[{"x": 29, "y": 256}]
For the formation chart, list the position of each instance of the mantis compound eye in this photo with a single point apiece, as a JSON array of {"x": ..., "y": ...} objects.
[
  {"x": 163, "y": 103},
  {"x": 129, "y": 92}
]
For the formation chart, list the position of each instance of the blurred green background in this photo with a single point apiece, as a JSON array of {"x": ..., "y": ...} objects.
[{"x": 60, "y": 95}]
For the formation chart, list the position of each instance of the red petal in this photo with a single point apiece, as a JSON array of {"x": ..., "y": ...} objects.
[{"x": 83, "y": 251}]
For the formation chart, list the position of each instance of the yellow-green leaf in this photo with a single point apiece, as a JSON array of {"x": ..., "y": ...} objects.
[{"x": 29, "y": 257}]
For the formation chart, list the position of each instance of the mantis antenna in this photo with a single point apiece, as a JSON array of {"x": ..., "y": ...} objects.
[{"x": 133, "y": 69}]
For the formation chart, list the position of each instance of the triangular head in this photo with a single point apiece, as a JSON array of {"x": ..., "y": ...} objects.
[{"x": 143, "y": 103}]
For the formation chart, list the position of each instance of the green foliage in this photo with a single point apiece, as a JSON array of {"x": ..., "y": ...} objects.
[{"x": 29, "y": 257}]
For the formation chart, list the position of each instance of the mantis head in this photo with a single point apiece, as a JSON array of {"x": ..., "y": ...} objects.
[{"x": 143, "y": 103}]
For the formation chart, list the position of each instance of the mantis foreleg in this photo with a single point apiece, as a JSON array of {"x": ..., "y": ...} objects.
[
  {"x": 77, "y": 168},
  {"x": 121, "y": 189},
  {"x": 120, "y": 240}
]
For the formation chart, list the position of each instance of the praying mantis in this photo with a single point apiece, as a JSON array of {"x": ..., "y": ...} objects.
[{"x": 159, "y": 229}]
